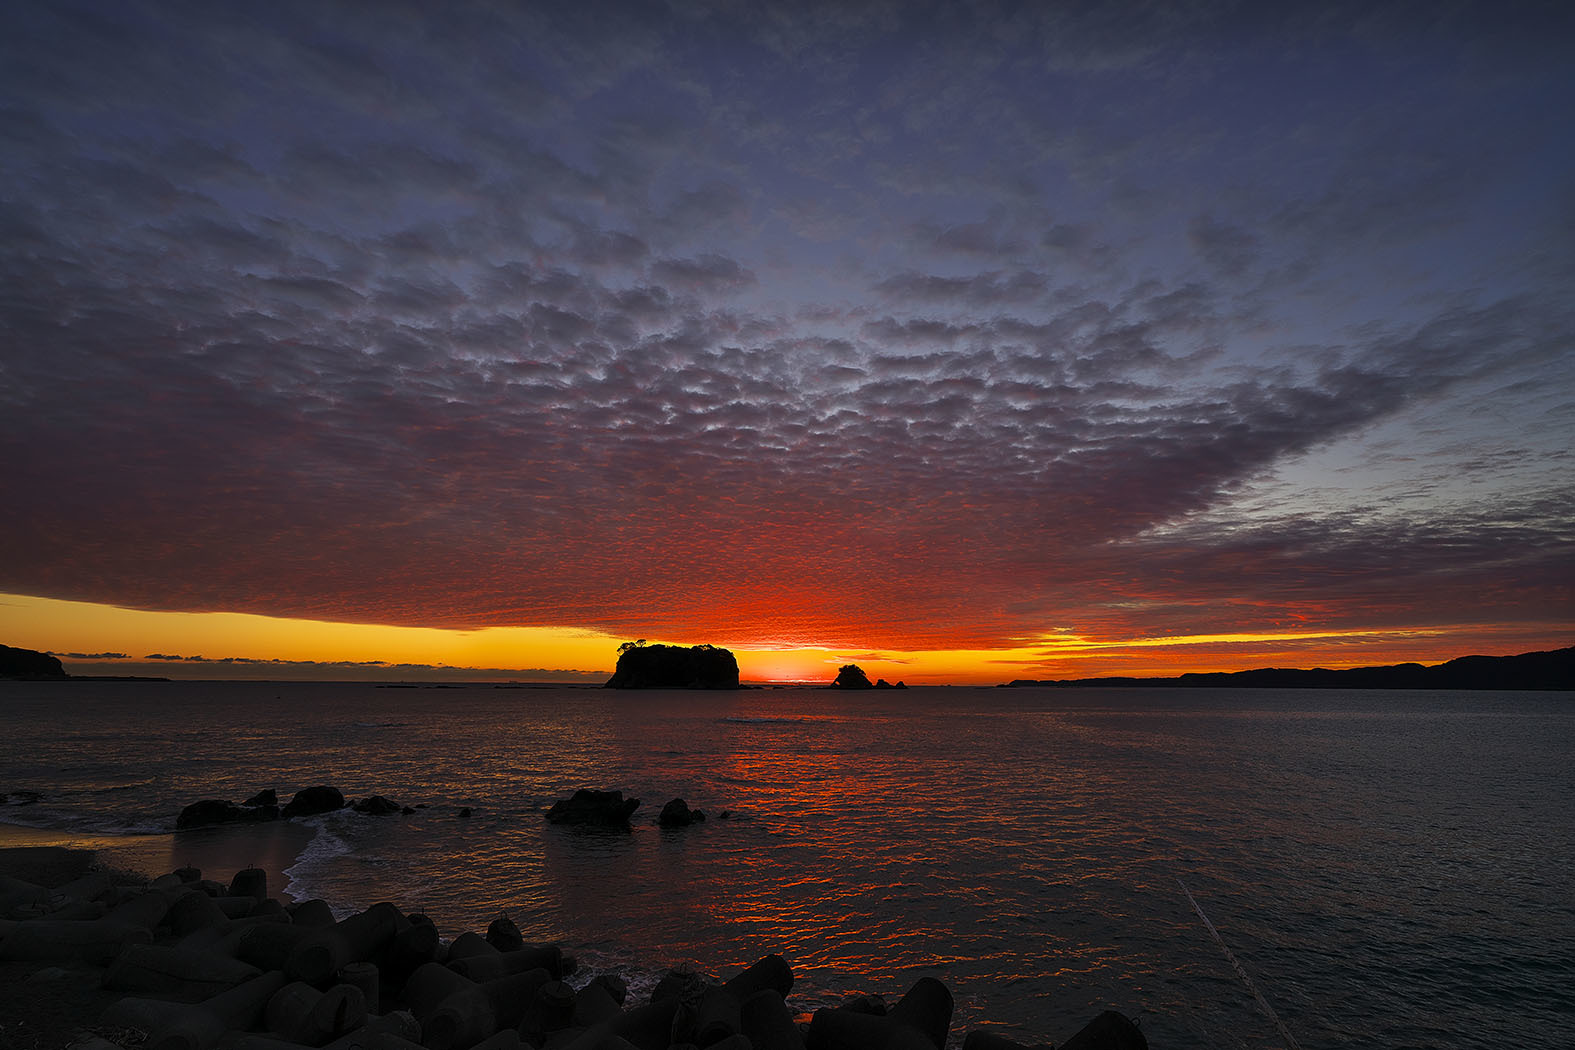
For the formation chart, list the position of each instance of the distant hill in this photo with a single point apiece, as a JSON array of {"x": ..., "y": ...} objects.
[
  {"x": 28, "y": 663},
  {"x": 1550, "y": 670}
]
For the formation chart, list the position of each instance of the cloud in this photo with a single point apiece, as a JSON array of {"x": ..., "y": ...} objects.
[
  {"x": 709, "y": 272},
  {"x": 622, "y": 331}
]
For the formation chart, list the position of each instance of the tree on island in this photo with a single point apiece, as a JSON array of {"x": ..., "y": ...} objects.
[
  {"x": 852, "y": 676},
  {"x": 642, "y": 666}
]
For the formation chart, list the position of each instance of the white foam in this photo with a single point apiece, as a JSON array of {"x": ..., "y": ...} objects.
[{"x": 305, "y": 874}]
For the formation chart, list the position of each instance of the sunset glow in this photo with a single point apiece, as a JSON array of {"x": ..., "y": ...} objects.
[
  {"x": 104, "y": 640},
  {"x": 966, "y": 345}
]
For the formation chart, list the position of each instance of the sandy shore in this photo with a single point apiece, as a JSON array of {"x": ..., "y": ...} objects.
[{"x": 219, "y": 851}]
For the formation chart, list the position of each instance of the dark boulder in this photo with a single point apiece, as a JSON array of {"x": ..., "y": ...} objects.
[
  {"x": 207, "y": 812},
  {"x": 674, "y": 667},
  {"x": 597, "y": 808},
  {"x": 265, "y": 797},
  {"x": 377, "y": 806},
  {"x": 677, "y": 814},
  {"x": 313, "y": 800},
  {"x": 212, "y": 811}
]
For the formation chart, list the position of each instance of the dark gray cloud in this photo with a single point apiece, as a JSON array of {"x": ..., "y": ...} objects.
[{"x": 653, "y": 331}]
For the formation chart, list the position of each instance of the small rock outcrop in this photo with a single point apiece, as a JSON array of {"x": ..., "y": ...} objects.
[
  {"x": 313, "y": 800},
  {"x": 851, "y": 676},
  {"x": 377, "y": 806},
  {"x": 210, "y": 811},
  {"x": 677, "y": 814},
  {"x": 642, "y": 666},
  {"x": 29, "y": 664},
  {"x": 596, "y": 808}
]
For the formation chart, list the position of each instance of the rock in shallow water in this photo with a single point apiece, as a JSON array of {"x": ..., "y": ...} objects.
[
  {"x": 596, "y": 808},
  {"x": 377, "y": 806},
  {"x": 313, "y": 800},
  {"x": 677, "y": 814}
]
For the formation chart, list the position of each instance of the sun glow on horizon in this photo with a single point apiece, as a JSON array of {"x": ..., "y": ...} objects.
[{"x": 102, "y": 639}]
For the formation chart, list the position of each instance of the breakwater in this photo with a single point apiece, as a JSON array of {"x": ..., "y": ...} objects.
[{"x": 203, "y": 964}]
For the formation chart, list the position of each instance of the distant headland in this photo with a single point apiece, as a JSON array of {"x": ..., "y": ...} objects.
[
  {"x": 29, "y": 664},
  {"x": 1543, "y": 670}
]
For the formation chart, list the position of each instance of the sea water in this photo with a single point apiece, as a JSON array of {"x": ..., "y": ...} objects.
[{"x": 1391, "y": 868}]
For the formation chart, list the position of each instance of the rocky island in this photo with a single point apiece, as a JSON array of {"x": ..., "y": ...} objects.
[{"x": 642, "y": 666}]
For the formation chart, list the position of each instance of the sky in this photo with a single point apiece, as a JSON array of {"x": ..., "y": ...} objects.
[{"x": 971, "y": 342}]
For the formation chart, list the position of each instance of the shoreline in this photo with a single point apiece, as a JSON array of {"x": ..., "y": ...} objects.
[
  {"x": 219, "y": 851},
  {"x": 110, "y": 959}
]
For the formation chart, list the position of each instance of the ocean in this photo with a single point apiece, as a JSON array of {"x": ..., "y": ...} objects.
[{"x": 1391, "y": 869}]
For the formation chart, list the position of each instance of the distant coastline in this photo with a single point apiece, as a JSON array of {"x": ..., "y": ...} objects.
[{"x": 1553, "y": 670}]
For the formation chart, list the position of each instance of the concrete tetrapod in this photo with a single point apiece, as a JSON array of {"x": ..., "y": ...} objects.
[
  {"x": 96, "y": 941},
  {"x": 194, "y": 910},
  {"x": 469, "y": 945},
  {"x": 550, "y": 1010},
  {"x": 268, "y": 945},
  {"x": 766, "y": 1020},
  {"x": 250, "y": 882},
  {"x": 147, "y": 909},
  {"x": 364, "y": 976},
  {"x": 483, "y": 967},
  {"x": 429, "y": 985},
  {"x": 648, "y": 1027},
  {"x": 979, "y": 1039},
  {"x": 303, "y": 1014},
  {"x": 1109, "y": 1031},
  {"x": 323, "y": 953},
  {"x": 474, "y": 1014},
  {"x": 314, "y": 912},
  {"x": 412, "y": 947},
  {"x": 920, "y": 1021},
  {"x": 181, "y": 1026},
  {"x": 717, "y": 1015},
  {"x": 599, "y": 1001},
  {"x": 184, "y": 973},
  {"x": 398, "y": 1031}
]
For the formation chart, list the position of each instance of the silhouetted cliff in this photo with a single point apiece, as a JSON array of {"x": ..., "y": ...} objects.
[
  {"x": 643, "y": 666},
  {"x": 1549, "y": 670},
  {"x": 29, "y": 663}
]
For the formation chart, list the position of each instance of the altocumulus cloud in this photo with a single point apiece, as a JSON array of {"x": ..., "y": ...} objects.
[{"x": 695, "y": 326}]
